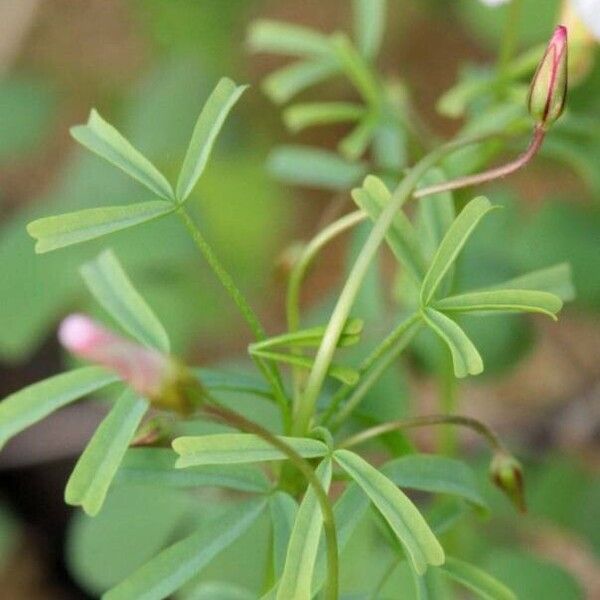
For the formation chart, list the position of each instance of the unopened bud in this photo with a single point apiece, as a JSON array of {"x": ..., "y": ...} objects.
[
  {"x": 548, "y": 91},
  {"x": 506, "y": 472},
  {"x": 147, "y": 371}
]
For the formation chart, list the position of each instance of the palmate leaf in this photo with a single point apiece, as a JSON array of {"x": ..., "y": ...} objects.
[
  {"x": 301, "y": 116},
  {"x": 465, "y": 357},
  {"x": 96, "y": 467},
  {"x": 34, "y": 402},
  {"x": 285, "y": 83},
  {"x": 504, "y": 300},
  {"x": 344, "y": 374},
  {"x": 421, "y": 545},
  {"x": 452, "y": 243},
  {"x": 176, "y": 565},
  {"x": 209, "y": 123},
  {"x": 76, "y": 227},
  {"x": 312, "y": 167},
  {"x": 478, "y": 581},
  {"x": 239, "y": 448},
  {"x": 156, "y": 466},
  {"x": 402, "y": 237},
  {"x": 112, "y": 288},
  {"x": 296, "y": 580},
  {"x": 355, "y": 144},
  {"x": 284, "y": 38},
  {"x": 435, "y": 474},
  {"x": 311, "y": 337},
  {"x": 369, "y": 25},
  {"x": 283, "y": 510},
  {"x": 555, "y": 280},
  {"x": 104, "y": 140}
]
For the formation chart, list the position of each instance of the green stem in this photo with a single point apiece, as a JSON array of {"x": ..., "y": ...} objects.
[
  {"x": 509, "y": 39},
  {"x": 270, "y": 371},
  {"x": 371, "y": 370},
  {"x": 448, "y": 392},
  {"x": 481, "y": 428},
  {"x": 301, "y": 267},
  {"x": 239, "y": 422},
  {"x": 352, "y": 286}
]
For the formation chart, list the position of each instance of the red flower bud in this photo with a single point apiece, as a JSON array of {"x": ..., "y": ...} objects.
[{"x": 548, "y": 91}]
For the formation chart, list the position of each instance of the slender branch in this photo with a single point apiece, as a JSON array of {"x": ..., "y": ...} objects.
[
  {"x": 352, "y": 286},
  {"x": 481, "y": 428},
  {"x": 270, "y": 371},
  {"x": 371, "y": 369},
  {"x": 243, "y": 424},
  {"x": 299, "y": 272},
  {"x": 491, "y": 174}
]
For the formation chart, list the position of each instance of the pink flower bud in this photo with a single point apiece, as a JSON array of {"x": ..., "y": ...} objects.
[
  {"x": 147, "y": 371},
  {"x": 548, "y": 91}
]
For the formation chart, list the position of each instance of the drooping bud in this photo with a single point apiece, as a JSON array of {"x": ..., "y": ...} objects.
[
  {"x": 548, "y": 91},
  {"x": 506, "y": 472},
  {"x": 147, "y": 371}
]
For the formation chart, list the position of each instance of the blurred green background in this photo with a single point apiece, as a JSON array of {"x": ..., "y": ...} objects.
[{"x": 147, "y": 66}]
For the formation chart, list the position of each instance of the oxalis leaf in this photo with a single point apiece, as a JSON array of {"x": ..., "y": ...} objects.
[
  {"x": 421, "y": 545},
  {"x": 76, "y": 227},
  {"x": 108, "y": 282},
  {"x": 173, "y": 567},
  {"x": 96, "y": 467},
  {"x": 296, "y": 580},
  {"x": 283, "y": 510},
  {"x": 207, "y": 127},
  {"x": 104, "y": 140},
  {"x": 483, "y": 585},
  {"x": 452, "y": 243},
  {"x": 156, "y": 466},
  {"x": 504, "y": 300},
  {"x": 465, "y": 357},
  {"x": 33, "y": 403},
  {"x": 284, "y": 38},
  {"x": 239, "y": 448}
]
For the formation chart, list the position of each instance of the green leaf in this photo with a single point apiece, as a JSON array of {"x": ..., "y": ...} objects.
[
  {"x": 435, "y": 213},
  {"x": 311, "y": 337},
  {"x": 96, "y": 467},
  {"x": 465, "y": 357},
  {"x": 173, "y": 567},
  {"x": 72, "y": 228},
  {"x": 435, "y": 474},
  {"x": 555, "y": 280},
  {"x": 31, "y": 404},
  {"x": 355, "y": 144},
  {"x": 503, "y": 300},
  {"x": 112, "y": 288},
  {"x": 301, "y": 116},
  {"x": 296, "y": 580},
  {"x": 156, "y": 466},
  {"x": 285, "y": 83},
  {"x": 226, "y": 381},
  {"x": 311, "y": 167},
  {"x": 283, "y": 516},
  {"x": 401, "y": 237},
  {"x": 357, "y": 70},
  {"x": 344, "y": 374},
  {"x": 369, "y": 25},
  {"x": 453, "y": 242},
  {"x": 483, "y": 585},
  {"x": 421, "y": 545},
  {"x": 283, "y": 38},
  {"x": 209, "y": 123},
  {"x": 218, "y": 590},
  {"x": 237, "y": 448},
  {"x": 104, "y": 140}
]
